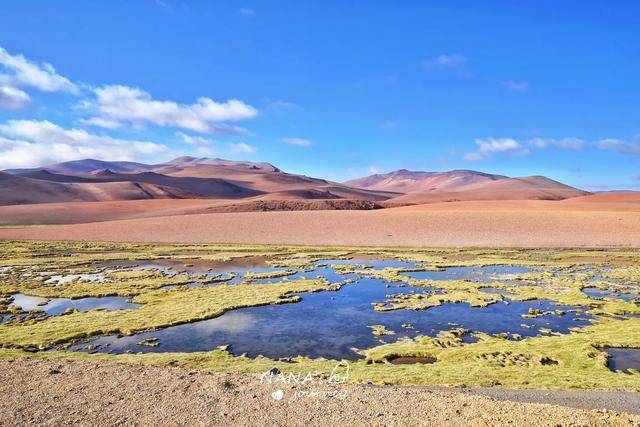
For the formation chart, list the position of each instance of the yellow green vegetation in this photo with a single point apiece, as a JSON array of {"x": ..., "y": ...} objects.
[
  {"x": 268, "y": 274},
  {"x": 446, "y": 291},
  {"x": 379, "y": 330},
  {"x": 120, "y": 283},
  {"x": 565, "y": 361}
]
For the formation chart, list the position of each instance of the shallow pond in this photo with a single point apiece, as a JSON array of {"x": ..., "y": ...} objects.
[
  {"x": 332, "y": 324},
  {"x": 606, "y": 293},
  {"x": 623, "y": 359},
  {"x": 56, "y": 306},
  {"x": 475, "y": 274}
]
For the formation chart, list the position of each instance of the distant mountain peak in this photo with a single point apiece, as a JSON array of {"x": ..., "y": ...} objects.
[{"x": 406, "y": 181}]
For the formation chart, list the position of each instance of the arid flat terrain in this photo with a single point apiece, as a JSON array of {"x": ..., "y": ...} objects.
[
  {"x": 598, "y": 220},
  {"x": 57, "y": 393}
]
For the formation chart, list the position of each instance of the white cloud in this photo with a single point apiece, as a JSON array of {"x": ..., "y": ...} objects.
[
  {"x": 16, "y": 70},
  {"x": 12, "y": 98},
  {"x": 207, "y": 146},
  {"x": 132, "y": 105},
  {"x": 241, "y": 148},
  {"x": 564, "y": 143},
  {"x": 445, "y": 61},
  {"x": 247, "y": 11},
  {"x": 619, "y": 145},
  {"x": 30, "y": 143},
  {"x": 517, "y": 86},
  {"x": 102, "y": 122},
  {"x": 297, "y": 142},
  {"x": 280, "y": 107},
  {"x": 194, "y": 140},
  {"x": 487, "y": 147},
  {"x": 204, "y": 146}
]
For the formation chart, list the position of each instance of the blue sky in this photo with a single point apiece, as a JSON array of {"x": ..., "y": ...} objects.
[{"x": 331, "y": 89}]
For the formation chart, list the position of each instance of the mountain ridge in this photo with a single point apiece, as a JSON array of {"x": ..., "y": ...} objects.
[{"x": 215, "y": 178}]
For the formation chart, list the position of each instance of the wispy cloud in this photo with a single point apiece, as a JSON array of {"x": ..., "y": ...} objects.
[
  {"x": 16, "y": 70},
  {"x": 280, "y": 106},
  {"x": 242, "y": 148},
  {"x": 488, "y": 147},
  {"x": 515, "y": 86},
  {"x": 12, "y": 98},
  {"x": 208, "y": 146},
  {"x": 247, "y": 11},
  {"x": 451, "y": 60},
  {"x": 123, "y": 104},
  {"x": 203, "y": 146},
  {"x": 297, "y": 142},
  {"x": 17, "y": 73},
  {"x": 631, "y": 146},
  {"x": 30, "y": 143},
  {"x": 562, "y": 143}
]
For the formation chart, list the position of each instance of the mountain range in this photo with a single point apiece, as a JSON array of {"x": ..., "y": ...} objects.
[{"x": 240, "y": 181}]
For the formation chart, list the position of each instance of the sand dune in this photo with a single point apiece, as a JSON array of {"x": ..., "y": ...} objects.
[{"x": 480, "y": 223}]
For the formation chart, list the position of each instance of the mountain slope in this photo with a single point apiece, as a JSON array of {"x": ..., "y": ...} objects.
[
  {"x": 193, "y": 177},
  {"x": 199, "y": 187},
  {"x": 523, "y": 188},
  {"x": 405, "y": 181},
  {"x": 196, "y": 178},
  {"x": 15, "y": 189}
]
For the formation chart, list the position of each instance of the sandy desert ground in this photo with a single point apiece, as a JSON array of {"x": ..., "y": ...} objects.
[
  {"x": 88, "y": 394},
  {"x": 598, "y": 220}
]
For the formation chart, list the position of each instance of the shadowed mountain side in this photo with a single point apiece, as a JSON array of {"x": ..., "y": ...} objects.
[
  {"x": 223, "y": 179},
  {"x": 199, "y": 187},
  {"x": 23, "y": 190},
  {"x": 266, "y": 180}
]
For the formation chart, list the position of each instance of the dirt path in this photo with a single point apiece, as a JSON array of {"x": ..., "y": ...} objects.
[{"x": 85, "y": 393}]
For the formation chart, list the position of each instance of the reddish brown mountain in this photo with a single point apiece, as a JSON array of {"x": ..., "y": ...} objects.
[
  {"x": 405, "y": 181},
  {"x": 459, "y": 185},
  {"x": 184, "y": 177},
  {"x": 15, "y": 189},
  {"x": 200, "y": 178}
]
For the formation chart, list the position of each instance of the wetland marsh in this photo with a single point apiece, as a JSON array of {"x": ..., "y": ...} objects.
[{"x": 520, "y": 318}]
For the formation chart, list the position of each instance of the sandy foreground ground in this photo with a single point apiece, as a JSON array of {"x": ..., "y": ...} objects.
[
  {"x": 86, "y": 393},
  {"x": 569, "y": 223}
]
